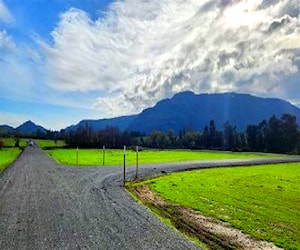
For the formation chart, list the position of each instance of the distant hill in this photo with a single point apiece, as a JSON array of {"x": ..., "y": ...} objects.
[
  {"x": 29, "y": 127},
  {"x": 5, "y": 129},
  {"x": 122, "y": 123},
  {"x": 187, "y": 110}
]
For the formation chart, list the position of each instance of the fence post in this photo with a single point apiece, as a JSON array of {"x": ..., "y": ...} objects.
[
  {"x": 137, "y": 161},
  {"x": 124, "y": 166},
  {"x": 103, "y": 157},
  {"x": 77, "y": 156}
]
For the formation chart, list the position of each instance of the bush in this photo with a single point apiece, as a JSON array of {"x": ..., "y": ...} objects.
[
  {"x": 17, "y": 143},
  {"x": 1, "y": 144}
]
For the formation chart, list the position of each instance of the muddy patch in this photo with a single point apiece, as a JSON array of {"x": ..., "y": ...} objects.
[{"x": 214, "y": 233}]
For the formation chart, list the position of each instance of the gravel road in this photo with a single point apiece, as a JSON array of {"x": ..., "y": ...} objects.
[{"x": 47, "y": 206}]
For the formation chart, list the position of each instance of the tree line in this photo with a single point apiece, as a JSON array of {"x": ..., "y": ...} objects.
[{"x": 277, "y": 135}]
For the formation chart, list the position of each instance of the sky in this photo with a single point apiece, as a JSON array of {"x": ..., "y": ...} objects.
[{"x": 62, "y": 61}]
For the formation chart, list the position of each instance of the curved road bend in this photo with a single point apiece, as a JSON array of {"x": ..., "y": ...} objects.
[{"x": 47, "y": 206}]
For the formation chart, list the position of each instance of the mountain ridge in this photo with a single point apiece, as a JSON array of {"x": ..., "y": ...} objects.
[{"x": 187, "y": 111}]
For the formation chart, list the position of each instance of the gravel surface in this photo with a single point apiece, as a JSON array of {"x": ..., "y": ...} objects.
[{"x": 47, "y": 206}]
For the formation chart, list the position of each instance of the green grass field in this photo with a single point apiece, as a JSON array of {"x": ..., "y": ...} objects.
[
  {"x": 89, "y": 157},
  {"x": 7, "y": 156},
  {"x": 45, "y": 144},
  {"x": 50, "y": 143},
  {"x": 10, "y": 142},
  {"x": 262, "y": 201}
]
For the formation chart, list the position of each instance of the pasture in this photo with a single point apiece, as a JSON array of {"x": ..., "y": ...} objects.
[
  {"x": 262, "y": 201},
  {"x": 10, "y": 142},
  {"x": 7, "y": 156},
  {"x": 46, "y": 144},
  {"x": 94, "y": 157}
]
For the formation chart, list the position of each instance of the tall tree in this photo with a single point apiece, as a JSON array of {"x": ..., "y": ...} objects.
[
  {"x": 274, "y": 137},
  {"x": 212, "y": 134},
  {"x": 251, "y": 135},
  {"x": 205, "y": 141},
  {"x": 230, "y": 137},
  {"x": 290, "y": 132}
]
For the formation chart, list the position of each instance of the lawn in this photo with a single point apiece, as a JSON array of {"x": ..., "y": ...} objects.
[
  {"x": 262, "y": 201},
  {"x": 89, "y": 157},
  {"x": 45, "y": 144},
  {"x": 7, "y": 156}
]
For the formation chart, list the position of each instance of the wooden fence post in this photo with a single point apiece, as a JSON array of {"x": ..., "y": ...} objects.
[
  {"x": 103, "y": 157},
  {"x": 77, "y": 156},
  {"x": 137, "y": 162},
  {"x": 124, "y": 166}
]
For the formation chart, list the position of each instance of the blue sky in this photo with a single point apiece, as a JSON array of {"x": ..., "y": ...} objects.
[{"x": 66, "y": 60}]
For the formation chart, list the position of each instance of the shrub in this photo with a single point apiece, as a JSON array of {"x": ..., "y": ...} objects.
[{"x": 17, "y": 143}]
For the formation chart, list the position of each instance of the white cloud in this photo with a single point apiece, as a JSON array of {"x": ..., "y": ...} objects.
[
  {"x": 143, "y": 51},
  {"x": 5, "y": 15},
  {"x": 18, "y": 74},
  {"x": 6, "y": 42}
]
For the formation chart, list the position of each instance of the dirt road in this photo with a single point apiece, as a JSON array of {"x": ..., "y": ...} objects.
[{"x": 47, "y": 206}]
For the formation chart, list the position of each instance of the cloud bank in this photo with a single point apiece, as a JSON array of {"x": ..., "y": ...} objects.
[{"x": 142, "y": 51}]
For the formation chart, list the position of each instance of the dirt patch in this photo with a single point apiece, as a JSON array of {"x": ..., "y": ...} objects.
[
  {"x": 212, "y": 232},
  {"x": 146, "y": 195}
]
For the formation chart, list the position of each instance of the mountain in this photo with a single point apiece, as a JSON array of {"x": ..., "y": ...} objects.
[
  {"x": 30, "y": 128},
  {"x": 122, "y": 123},
  {"x": 187, "y": 110},
  {"x": 5, "y": 129}
]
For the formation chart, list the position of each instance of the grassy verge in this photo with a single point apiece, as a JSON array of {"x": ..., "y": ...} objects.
[
  {"x": 7, "y": 156},
  {"x": 88, "y": 157},
  {"x": 261, "y": 201}
]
